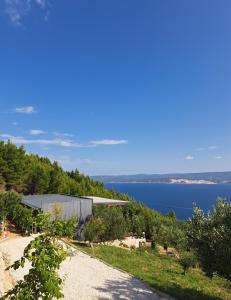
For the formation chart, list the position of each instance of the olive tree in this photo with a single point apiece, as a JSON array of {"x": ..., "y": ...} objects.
[{"x": 210, "y": 237}]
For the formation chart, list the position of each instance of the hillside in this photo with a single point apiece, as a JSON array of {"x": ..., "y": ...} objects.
[
  {"x": 31, "y": 174},
  {"x": 207, "y": 177}
]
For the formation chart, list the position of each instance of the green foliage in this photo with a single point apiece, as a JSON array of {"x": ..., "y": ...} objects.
[
  {"x": 64, "y": 227},
  {"x": 135, "y": 218},
  {"x": 138, "y": 225},
  {"x": 95, "y": 230},
  {"x": 45, "y": 254},
  {"x": 187, "y": 260},
  {"x": 210, "y": 237},
  {"x": 37, "y": 179},
  {"x": 56, "y": 227},
  {"x": 43, "y": 221},
  {"x": 160, "y": 229},
  {"x": 11, "y": 209},
  {"x": 12, "y": 165},
  {"x": 8, "y": 202},
  {"x": 173, "y": 235},
  {"x": 114, "y": 221},
  {"x": 22, "y": 217}
]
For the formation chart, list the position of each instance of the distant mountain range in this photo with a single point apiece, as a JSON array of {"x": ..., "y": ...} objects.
[{"x": 181, "y": 178}]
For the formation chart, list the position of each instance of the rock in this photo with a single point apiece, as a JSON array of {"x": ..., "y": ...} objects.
[{"x": 6, "y": 281}]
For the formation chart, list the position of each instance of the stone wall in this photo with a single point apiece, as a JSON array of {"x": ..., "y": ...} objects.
[{"x": 6, "y": 281}]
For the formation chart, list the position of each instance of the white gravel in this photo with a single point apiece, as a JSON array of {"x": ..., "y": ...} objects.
[{"x": 86, "y": 278}]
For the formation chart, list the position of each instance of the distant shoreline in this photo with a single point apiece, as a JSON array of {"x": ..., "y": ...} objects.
[
  {"x": 175, "y": 178},
  {"x": 170, "y": 183}
]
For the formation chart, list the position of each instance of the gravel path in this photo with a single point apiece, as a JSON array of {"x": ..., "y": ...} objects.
[{"x": 86, "y": 278}]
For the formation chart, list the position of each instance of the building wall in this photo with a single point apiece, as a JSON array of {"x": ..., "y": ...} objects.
[{"x": 80, "y": 209}]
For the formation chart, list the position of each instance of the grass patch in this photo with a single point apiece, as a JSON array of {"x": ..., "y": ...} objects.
[{"x": 163, "y": 273}]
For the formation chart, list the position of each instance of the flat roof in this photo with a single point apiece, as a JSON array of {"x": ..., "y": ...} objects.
[
  {"x": 107, "y": 201},
  {"x": 36, "y": 201}
]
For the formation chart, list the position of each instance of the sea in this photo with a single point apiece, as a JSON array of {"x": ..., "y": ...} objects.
[{"x": 174, "y": 197}]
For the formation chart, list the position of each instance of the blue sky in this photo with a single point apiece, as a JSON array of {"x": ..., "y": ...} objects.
[{"x": 118, "y": 87}]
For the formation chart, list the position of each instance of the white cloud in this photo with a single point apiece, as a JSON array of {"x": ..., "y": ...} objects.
[
  {"x": 67, "y": 160},
  {"x": 23, "y": 141},
  {"x": 218, "y": 157},
  {"x": 42, "y": 3},
  {"x": 189, "y": 157},
  {"x": 200, "y": 149},
  {"x": 25, "y": 110},
  {"x": 63, "y": 142},
  {"x": 206, "y": 148},
  {"x": 5, "y": 135},
  {"x": 108, "y": 142},
  {"x": 71, "y": 162},
  {"x": 62, "y": 134},
  {"x": 16, "y": 10},
  {"x": 14, "y": 123},
  {"x": 36, "y": 131}
]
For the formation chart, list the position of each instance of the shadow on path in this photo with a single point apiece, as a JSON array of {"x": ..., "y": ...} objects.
[
  {"x": 134, "y": 289},
  {"x": 130, "y": 288}
]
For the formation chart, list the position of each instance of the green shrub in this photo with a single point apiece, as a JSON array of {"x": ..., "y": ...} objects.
[
  {"x": 94, "y": 230},
  {"x": 115, "y": 225},
  {"x": 187, "y": 260},
  {"x": 22, "y": 217},
  {"x": 43, "y": 221},
  {"x": 64, "y": 228}
]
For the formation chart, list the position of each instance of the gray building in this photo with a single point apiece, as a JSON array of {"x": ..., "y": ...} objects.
[{"x": 70, "y": 206}]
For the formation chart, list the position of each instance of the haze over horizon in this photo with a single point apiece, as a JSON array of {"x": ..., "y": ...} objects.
[{"x": 118, "y": 87}]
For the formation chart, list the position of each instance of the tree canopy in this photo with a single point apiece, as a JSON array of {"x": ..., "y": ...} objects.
[
  {"x": 210, "y": 237},
  {"x": 32, "y": 174}
]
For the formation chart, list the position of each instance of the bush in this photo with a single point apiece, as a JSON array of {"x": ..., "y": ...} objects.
[
  {"x": 112, "y": 217},
  {"x": 23, "y": 218},
  {"x": 187, "y": 260},
  {"x": 94, "y": 230},
  {"x": 43, "y": 221},
  {"x": 64, "y": 228}
]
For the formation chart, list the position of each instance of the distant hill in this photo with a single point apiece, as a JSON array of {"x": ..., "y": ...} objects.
[{"x": 184, "y": 178}]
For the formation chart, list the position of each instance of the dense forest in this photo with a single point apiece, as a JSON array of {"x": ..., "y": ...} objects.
[{"x": 31, "y": 174}]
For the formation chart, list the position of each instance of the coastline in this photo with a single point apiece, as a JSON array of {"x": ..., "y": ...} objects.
[{"x": 159, "y": 182}]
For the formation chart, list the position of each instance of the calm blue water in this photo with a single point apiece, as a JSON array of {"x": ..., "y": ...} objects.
[{"x": 177, "y": 197}]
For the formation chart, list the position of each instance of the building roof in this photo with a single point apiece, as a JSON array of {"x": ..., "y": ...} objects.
[
  {"x": 37, "y": 201},
  {"x": 106, "y": 201}
]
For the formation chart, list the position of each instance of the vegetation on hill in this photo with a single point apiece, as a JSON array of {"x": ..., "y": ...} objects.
[
  {"x": 136, "y": 219},
  {"x": 31, "y": 174},
  {"x": 210, "y": 238}
]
